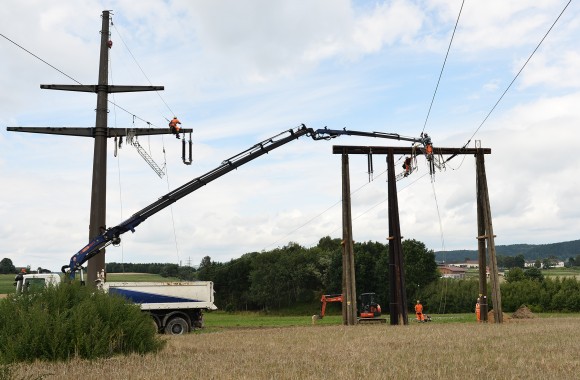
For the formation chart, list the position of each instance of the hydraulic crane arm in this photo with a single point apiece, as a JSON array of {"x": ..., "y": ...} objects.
[
  {"x": 112, "y": 235},
  {"x": 326, "y": 134}
]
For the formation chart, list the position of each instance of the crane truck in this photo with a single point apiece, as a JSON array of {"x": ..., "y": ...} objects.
[
  {"x": 113, "y": 235},
  {"x": 170, "y": 316}
]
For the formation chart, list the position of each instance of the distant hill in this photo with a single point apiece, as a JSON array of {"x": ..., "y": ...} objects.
[{"x": 562, "y": 251}]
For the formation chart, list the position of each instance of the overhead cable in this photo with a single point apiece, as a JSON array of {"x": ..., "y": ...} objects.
[
  {"x": 443, "y": 67},
  {"x": 513, "y": 80},
  {"x": 71, "y": 78}
]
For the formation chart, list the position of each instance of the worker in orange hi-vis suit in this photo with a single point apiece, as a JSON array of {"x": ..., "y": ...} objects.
[
  {"x": 173, "y": 125},
  {"x": 478, "y": 311},
  {"x": 419, "y": 312}
]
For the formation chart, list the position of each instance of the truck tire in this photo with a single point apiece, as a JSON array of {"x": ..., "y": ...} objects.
[{"x": 177, "y": 326}]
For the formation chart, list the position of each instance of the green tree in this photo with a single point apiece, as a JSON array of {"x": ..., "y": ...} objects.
[
  {"x": 186, "y": 273},
  {"x": 205, "y": 271},
  {"x": 6, "y": 266},
  {"x": 547, "y": 263},
  {"x": 448, "y": 295},
  {"x": 534, "y": 274},
  {"x": 285, "y": 276},
  {"x": 366, "y": 256},
  {"x": 169, "y": 270},
  {"x": 519, "y": 261},
  {"x": 514, "y": 275},
  {"x": 420, "y": 267}
]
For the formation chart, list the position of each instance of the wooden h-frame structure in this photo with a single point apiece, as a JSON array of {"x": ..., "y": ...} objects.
[{"x": 398, "y": 296}]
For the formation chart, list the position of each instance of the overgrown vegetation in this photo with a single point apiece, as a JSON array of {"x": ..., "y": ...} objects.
[{"x": 67, "y": 321}]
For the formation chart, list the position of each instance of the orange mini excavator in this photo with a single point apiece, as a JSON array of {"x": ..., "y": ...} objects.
[{"x": 368, "y": 310}]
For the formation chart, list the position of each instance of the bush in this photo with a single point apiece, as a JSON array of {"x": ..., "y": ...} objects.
[
  {"x": 230, "y": 308},
  {"x": 59, "y": 323}
]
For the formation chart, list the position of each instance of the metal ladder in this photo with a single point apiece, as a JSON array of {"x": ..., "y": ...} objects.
[{"x": 160, "y": 172}]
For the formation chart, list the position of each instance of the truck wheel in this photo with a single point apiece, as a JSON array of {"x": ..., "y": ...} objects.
[
  {"x": 156, "y": 322},
  {"x": 177, "y": 326},
  {"x": 198, "y": 323}
]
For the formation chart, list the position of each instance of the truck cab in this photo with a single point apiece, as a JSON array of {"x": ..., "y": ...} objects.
[{"x": 35, "y": 281}]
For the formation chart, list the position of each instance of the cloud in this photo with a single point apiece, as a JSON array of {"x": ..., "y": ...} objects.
[{"x": 239, "y": 73}]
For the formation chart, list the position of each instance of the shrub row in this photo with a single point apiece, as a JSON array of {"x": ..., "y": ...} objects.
[
  {"x": 58, "y": 323},
  {"x": 540, "y": 295}
]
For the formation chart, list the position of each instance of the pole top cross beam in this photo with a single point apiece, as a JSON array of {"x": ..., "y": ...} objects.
[{"x": 350, "y": 149}]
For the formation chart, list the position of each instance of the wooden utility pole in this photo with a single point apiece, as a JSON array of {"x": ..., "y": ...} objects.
[
  {"x": 398, "y": 301},
  {"x": 349, "y": 312},
  {"x": 481, "y": 254},
  {"x": 100, "y": 133},
  {"x": 484, "y": 208}
]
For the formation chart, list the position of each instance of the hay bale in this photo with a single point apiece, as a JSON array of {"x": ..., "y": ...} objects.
[{"x": 523, "y": 313}]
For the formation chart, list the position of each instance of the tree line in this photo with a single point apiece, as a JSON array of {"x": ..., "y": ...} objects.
[
  {"x": 290, "y": 275},
  {"x": 564, "y": 251},
  {"x": 286, "y": 277}
]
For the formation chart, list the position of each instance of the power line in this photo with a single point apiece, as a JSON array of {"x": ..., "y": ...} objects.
[
  {"x": 42, "y": 60},
  {"x": 140, "y": 68},
  {"x": 366, "y": 211},
  {"x": 517, "y": 75},
  {"x": 443, "y": 67},
  {"x": 322, "y": 213},
  {"x": 71, "y": 78}
]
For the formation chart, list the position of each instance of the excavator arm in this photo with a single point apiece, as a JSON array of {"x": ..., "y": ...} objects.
[
  {"x": 325, "y": 299},
  {"x": 113, "y": 235}
]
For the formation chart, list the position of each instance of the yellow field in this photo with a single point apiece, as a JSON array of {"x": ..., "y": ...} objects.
[{"x": 523, "y": 349}]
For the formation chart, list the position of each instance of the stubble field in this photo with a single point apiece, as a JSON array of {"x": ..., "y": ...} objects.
[{"x": 519, "y": 349}]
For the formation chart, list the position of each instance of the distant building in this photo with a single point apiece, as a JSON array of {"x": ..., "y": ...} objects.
[
  {"x": 452, "y": 271},
  {"x": 471, "y": 264},
  {"x": 555, "y": 264}
]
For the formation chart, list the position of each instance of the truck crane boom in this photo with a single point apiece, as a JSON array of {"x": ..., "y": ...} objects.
[{"x": 112, "y": 235}]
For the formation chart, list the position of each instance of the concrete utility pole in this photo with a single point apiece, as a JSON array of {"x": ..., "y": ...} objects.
[
  {"x": 100, "y": 133},
  {"x": 349, "y": 312},
  {"x": 398, "y": 301}
]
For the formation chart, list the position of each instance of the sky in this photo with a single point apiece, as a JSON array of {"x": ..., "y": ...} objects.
[{"x": 238, "y": 73}]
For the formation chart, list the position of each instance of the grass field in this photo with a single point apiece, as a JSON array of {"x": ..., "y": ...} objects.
[
  {"x": 258, "y": 346},
  {"x": 526, "y": 349},
  {"x": 562, "y": 272}
]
